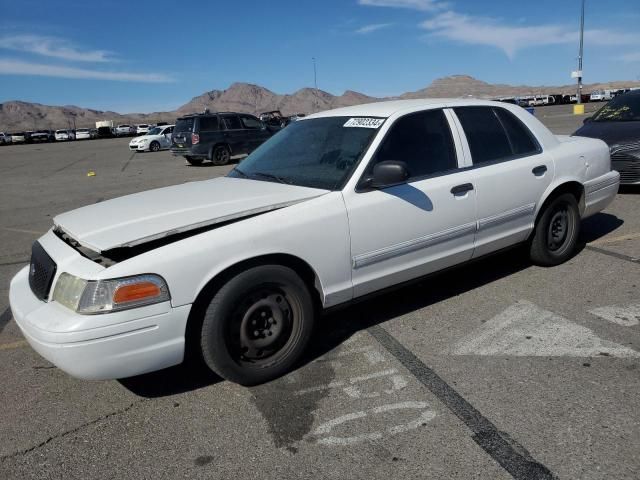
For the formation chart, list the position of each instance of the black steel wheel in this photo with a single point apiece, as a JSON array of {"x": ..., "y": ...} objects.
[
  {"x": 220, "y": 155},
  {"x": 556, "y": 231},
  {"x": 257, "y": 325}
]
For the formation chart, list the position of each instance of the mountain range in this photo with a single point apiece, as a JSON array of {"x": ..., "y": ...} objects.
[{"x": 248, "y": 98}]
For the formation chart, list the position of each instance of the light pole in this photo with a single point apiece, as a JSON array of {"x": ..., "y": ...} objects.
[
  {"x": 315, "y": 83},
  {"x": 580, "y": 55}
]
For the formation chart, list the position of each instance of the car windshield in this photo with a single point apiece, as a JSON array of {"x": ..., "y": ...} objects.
[
  {"x": 625, "y": 108},
  {"x": 82, "y": 130},
  {"x": 154, "y": 131},
  {"x": 143, "y": 126},
  {"x": 317, "y": 153}
]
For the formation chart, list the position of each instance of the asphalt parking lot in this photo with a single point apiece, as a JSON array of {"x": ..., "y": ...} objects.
[{"x": 498, "y": 369}]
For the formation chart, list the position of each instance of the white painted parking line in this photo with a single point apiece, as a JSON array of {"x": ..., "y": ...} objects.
[
  {"x": 426, "y": 415},
  {"x": 525, "y": 329},
  {"x": 627, "y": 316}
]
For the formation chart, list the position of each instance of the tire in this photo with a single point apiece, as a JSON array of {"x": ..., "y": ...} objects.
[
  {"x": 193, "y": 160},
  {"x": 556, "y": 232},
  {"x": 220, "y": 155},
  {"x": 257, "y": 325},
  {"x": 154, "y": 147}
]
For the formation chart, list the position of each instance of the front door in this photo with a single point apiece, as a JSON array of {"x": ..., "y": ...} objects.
[{"x": 428, "y": 223}]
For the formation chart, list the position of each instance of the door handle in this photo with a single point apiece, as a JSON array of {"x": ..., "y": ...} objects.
[
  {"x": 539, "y": 170},
  {"x": 462, "y": 189}
]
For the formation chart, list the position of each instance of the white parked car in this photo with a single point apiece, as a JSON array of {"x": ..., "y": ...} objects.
[
  {"x": 142, "y": 129},
  {"x": 83, "y": 134},
  {"x": 600, "y": 96},
  {"x": 124, "y": 130},
  {"x": 18, "y": 137},
  {"x": 336, "y": 206},
  {"x": 158, "y": 138},
  {"x": 63, "y": 135},
  {"x": 5, "y": 138}
]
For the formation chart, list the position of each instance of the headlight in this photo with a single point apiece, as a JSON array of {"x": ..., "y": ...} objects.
[{"x": 105, "y": 296}]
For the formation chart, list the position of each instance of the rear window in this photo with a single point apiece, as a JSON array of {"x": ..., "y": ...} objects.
[
  {"x": 184, "y": 125},
  {"x": 209, "y": 124},
  {"x": 522, "y": 141},
  {"x": 232, "y": 122},
  {"x": 487, "y": 139}
]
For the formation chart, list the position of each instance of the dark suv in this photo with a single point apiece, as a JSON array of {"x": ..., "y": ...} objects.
[{"x": 217, "y": 136}]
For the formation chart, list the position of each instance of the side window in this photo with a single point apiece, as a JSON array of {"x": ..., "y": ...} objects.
[
  {"x": 250, "y": 122},
  {"x": 423, "y": 141},
  {"x": 232, "y": 122},
  {"x": 522, "y": 140},
  {"x": 487, "y": 139},
  {"x": 209, "y": 124}
]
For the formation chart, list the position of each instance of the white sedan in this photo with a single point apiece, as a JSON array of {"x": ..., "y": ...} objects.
[
  {"x": 338, "y": 205},
  {"x": 83, "y": 134},
  {"x": 63, "y": 135},
  {"x": 158, "y": 138}
]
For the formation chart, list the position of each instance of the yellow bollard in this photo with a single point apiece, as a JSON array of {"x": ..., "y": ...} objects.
[{"x": 578, "y": 109}]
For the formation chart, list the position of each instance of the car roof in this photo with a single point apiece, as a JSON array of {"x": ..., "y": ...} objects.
[{"x": 388, "y": 108}]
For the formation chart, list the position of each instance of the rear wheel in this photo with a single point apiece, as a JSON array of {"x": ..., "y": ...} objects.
[
  {"x": 220, "y": 155},
  {"x": 257, "y": 325},
  {"x": 193, "y": 160},
  {"x": 556, "y": 232},
  {"x": 154, "y": 147}
]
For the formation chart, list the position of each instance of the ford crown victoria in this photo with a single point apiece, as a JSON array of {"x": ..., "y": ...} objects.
[{"x": 338, "y": 205}]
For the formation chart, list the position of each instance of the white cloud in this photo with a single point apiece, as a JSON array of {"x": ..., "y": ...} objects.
[
  {"x": 633, "y": 57},
  {"x": 18, "y": 67},
  {"x": 52, "y": 47},
  {"x": 510, "y": 39},
  {"x": 372, "y": 28},
  {"x": 424, "y": 5}
]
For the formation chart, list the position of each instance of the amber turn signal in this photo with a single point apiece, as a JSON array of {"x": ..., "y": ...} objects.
[{"x": 136, "y": 291}]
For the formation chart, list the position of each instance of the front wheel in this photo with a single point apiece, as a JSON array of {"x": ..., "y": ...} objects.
[
  {"x": 257, "y": 325},
  {"x": 556, "y": 232},
  {"x": 154, "y": 147}
]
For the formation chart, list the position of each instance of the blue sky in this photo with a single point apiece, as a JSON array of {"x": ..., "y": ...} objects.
[{"x": 157, "y": 55}]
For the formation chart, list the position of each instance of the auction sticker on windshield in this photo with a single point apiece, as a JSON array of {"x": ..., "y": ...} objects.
[{"x": 364, "y": 122}]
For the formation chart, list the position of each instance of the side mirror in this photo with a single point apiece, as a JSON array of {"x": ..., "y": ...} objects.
[
  {"x": 586, "y": 120},
  {"x": 388, "y": 174}
]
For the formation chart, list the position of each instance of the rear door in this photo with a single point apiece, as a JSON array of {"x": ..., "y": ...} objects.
[
  {"x": 209, "y": 130},
  {"x": 510, "y": 172},
  {"x": 235, "y": 135}
]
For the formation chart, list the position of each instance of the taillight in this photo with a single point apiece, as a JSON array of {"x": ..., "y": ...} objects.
[{"x": 195, "y": 138}]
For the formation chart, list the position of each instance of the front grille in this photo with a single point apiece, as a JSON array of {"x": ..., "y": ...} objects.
[
  {"x": 627, "y": 166},
  {"x": 41, "y": 272}
]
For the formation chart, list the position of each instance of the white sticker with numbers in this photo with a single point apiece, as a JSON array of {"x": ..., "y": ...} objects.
[{"x": 364, "y": 122}]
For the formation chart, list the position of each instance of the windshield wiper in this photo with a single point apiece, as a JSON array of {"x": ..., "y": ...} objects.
[
  {"x": 242, "y": 174},
  {"x": 272, "y": 177}
]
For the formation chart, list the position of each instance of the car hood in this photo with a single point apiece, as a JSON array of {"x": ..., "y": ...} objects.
[
  {"x": 613, "y": 133},
  {"x": 145, "y": 138},
  {"x": 154, "y": 214}
]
